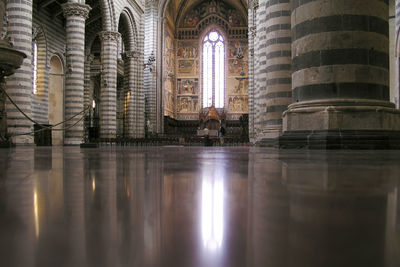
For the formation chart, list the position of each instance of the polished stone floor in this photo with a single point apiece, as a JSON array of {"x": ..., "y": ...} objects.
[{"x": 197, "y": 206}]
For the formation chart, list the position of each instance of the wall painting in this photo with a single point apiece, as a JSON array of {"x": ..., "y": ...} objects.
[
  {"x": 188, "y": 67},
  {"x": 188, "y": 86}
]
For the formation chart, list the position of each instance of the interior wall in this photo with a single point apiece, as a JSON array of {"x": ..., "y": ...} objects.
[
  {"x": 56, "y": 96},
  {"x": 50, "y": 32},
  {"x": 169, "y": 69},
  {"x": 194, "y": 25}
]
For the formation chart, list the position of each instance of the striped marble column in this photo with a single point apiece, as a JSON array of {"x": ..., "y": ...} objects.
[
  {"x": 138, "y": 95},
  {"x": 75, "y": 15},
  {"x": 88, "y": 94},
  {"x": 259, "y": 66},
  {"x": 108, "y": 93},
  {"x": 130, "y": 60},
  {"x": 340, "y": 77},
  {"x": 278, "y": 89},
  {"x": 19, "y": 86},
  {"x": 252, "y": 13}
]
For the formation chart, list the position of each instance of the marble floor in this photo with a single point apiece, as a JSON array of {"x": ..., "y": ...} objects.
[{"x": 198, "y": 206}]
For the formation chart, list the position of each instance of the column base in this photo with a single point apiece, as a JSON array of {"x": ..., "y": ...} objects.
[
  {"x": 269, "y": 137},
  {"x": 340, "y": 139},
  {"x": 72, "y": 142},
  {"x": 341, "y": 124}
]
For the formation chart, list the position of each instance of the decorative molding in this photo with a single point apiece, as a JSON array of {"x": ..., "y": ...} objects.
[
  {"x": 253, "y": 31},
  {"x": 252, "y": 52},
  {"x": 131, "y": 54},
  {"x": 76, "y": 9},
  {"x": 253, "y": 4},
  {"x": 109, "y": 36}
]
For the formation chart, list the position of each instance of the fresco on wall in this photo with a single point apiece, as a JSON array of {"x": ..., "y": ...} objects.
[
  {"x": 169, "y": 69},
  {"x": 235, "y": 46},
  {"x": 187, "y": 50},
  {"x": 237, "y": 87},
  {"x": 169, "y": 102},
  {"x": 234, "y": 18},
  {"x": 188, "y": 104},
  {"x": 213, "y": 7},
  {"x": 238, "y": 67},
  {"x": 238, "y": 104},
  {"x": 188, "y": 86},
  {"x": 192, "y": 18},
  {"x": 188, "y": 67},
  {"x": 169, "y": 53}
]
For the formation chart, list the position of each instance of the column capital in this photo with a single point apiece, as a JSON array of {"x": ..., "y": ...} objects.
[
  {"x": 131, "y": 54},
  {"x": 109, "y": 36},
  {"x": 76, "y": 9},
  {"x": 253, "y": 4}
]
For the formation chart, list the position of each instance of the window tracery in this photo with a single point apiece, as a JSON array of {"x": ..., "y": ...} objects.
[{"x": 213, "y": 70}]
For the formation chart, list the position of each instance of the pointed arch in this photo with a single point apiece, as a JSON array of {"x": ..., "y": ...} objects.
[
  {"x": 128, "y": 29},
  {"x": 108, "y": 15}
]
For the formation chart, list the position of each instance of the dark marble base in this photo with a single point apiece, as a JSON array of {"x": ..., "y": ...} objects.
[
  {"x": 89, "y": 145},
  {"x": 268, "y": 142},
  {"x": 340, "y": 139},
  {"x": 6, "y": 144}
]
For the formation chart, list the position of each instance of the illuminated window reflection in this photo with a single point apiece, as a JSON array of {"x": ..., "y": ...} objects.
[{"x": 212, "y": 208}]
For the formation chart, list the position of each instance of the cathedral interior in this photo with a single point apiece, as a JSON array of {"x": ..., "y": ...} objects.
[{"x": 220, "y": 133}]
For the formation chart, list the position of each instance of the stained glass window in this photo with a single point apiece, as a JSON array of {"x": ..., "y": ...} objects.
[{"x": 213, "y": 70}]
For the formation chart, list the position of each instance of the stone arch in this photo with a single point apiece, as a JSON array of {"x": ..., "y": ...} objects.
[
  {"x": 40, "y": 98},
  {"x": 108, "y": 15},
  {"x": 56, "y": 96},
  {"x": 127, "y": 91},
  {"x": 39, "y": 36},
  {"x": 127, "y": 25}
]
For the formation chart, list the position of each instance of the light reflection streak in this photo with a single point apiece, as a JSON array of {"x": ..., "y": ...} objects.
[
  {"x": 36, "y": 212},
  {"x": 93, "y": 183},
  {"x": 212, "y": 209}
]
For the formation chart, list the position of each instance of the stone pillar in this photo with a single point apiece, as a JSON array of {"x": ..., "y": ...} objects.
[
  {"x": 108, "y": 91},
  {"x": 277, "y": 89},
  {"x": 75, "y": 14},
  {"x": 130, "y": 59},
  {"x": 252, "y": 35},
  {"x": 88, "y": 95},
  {"x": 19, "y": 86},
  {"x": 259, "y": 65},
  {"x": 340, "y": 77}
]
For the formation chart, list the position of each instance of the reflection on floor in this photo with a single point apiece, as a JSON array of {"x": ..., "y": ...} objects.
[{"x": 196, "y": 206}]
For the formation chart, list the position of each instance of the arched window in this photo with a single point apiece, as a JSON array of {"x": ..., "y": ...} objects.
[
  {"x": 213, "y": 70},
  {"x": 34, "y": 64}
]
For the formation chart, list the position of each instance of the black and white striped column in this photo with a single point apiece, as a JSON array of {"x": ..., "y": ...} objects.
[
  {"x": 252, "y": 16},
  {"x": 130, "y": 59},
  {"x": 278, "y": 90},
  {"x": 340, "y": 78},
  {"x": 259, "y": 67},
  {"x": 139, "y": 100},
  {"x": 75, "y": 14},
  {"x": 88, "y": 94},
  {"x": 108, "y": 94},
  {"x": 19, "y": 86}
]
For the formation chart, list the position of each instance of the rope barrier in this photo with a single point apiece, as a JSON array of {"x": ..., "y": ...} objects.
[{"x": 43, "y": 127}]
